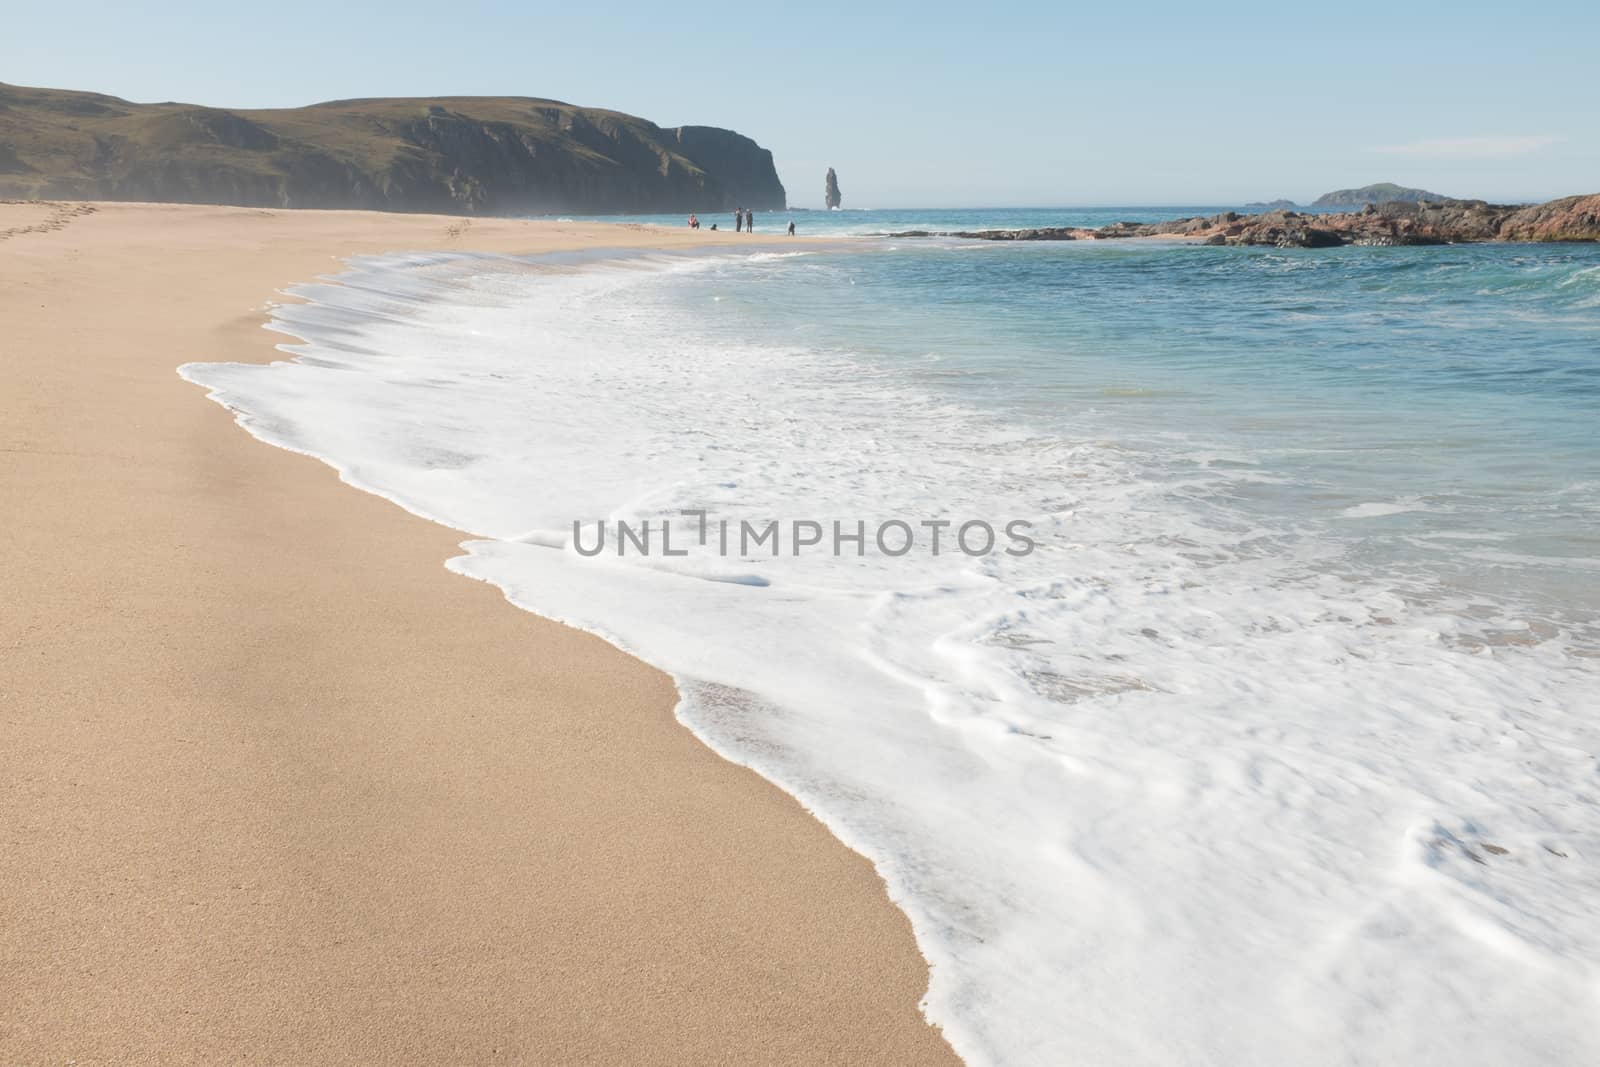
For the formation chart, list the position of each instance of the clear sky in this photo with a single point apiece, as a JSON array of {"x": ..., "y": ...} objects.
[{"x": 933, "y": 104}]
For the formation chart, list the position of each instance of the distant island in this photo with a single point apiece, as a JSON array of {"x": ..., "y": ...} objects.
[
  {"x": 452, "y": 155},
  {"x": 1380, "y": 193}
]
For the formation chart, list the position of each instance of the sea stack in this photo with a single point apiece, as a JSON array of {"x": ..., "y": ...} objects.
[{"x": 830, "y": 192}]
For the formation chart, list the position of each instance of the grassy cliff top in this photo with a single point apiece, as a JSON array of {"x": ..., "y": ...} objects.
[{"x": 486, "y": 153}]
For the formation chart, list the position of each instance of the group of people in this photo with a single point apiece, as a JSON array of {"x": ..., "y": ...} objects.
[{"x": 743, "y": 221}]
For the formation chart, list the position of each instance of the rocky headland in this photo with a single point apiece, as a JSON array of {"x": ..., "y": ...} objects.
[{"x": 450, "y": 155}]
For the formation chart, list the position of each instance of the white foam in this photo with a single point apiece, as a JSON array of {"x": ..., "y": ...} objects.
[
  {"x": 1374, "y": 509},
  {"x": 1167, "y": 790}
]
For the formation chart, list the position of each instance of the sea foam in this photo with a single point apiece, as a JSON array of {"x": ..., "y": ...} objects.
[{"x": 1170, "y": 789}]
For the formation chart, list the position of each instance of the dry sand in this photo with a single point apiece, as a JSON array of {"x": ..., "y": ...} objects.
[{"x": 278, "y": 788}]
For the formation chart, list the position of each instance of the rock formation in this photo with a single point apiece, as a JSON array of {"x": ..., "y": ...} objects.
[
  {"x": 1574, "y": 218},
  {"x": 830, "y": 191},
  {"x": 456, "y": 155},
  {"x": 1393, "y": 223}
]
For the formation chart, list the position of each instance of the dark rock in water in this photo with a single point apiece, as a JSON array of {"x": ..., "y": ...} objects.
[
  {"x": 1049, "y": 233},
  {"x": 830, "y": 190},
  {"x": 454, "y": 155},
  {"x": 1281, "y": 229},
  {"x": 1314, "y": 237},
  {"x": 1121, "y": 229}
]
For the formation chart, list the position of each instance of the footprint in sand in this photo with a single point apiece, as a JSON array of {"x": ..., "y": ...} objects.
[{"x": 60, "y": 215}]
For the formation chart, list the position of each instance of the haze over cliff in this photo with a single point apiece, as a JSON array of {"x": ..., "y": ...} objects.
[{"x": 458, "y": 155}]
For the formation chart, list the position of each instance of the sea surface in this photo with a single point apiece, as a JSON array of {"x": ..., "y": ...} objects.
[{"x": 1278, "y": 746}]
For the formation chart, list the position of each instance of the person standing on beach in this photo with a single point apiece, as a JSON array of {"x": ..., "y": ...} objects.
[
  {"x": 738, "y": 219},
  {"x": 749, "y": 222},
  {"x": 791, "y": 227}
]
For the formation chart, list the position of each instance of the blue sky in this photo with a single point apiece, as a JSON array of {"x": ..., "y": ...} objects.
[{"x": 933, "y": 104}]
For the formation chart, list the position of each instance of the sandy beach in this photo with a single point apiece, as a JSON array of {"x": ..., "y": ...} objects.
[{"x": 279, "y": 788}]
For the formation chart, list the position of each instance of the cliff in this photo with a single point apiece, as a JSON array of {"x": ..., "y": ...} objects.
[
  {"x": 1381, "y": 193},
  {"x": 457, "y": 155}
]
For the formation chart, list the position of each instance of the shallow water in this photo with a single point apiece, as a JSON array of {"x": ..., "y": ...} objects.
[{"x": 1280, "y": 747}]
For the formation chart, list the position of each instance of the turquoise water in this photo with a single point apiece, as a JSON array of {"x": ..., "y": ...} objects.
[{"x": 1432, "y": 411}]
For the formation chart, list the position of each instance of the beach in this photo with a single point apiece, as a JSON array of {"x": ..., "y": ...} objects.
[
  {"x": 518, "y": 552},
  {"x": 279, "y": 787},
  {"x": 987, "y": 555}
]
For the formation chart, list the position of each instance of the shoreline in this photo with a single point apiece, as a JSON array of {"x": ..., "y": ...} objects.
[{"x": 290, "y": 787}]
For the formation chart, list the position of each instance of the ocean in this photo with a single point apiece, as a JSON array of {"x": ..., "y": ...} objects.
[{"x": 1245, "y": 711}]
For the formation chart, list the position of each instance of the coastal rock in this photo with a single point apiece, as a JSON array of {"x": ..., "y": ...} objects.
[
  {"x": 1046, "y": 233},
  {"x": 1391, "y": 223},
  {"x": 456, "y": 155},
  {"x": 1574, "y": 218},
  {"x": 830, "y": 191}
]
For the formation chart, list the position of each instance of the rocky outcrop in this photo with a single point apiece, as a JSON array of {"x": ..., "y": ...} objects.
[
  {"x": 1575, "y": 218},
  {"x": 1271, "y": 205},
  {"x": 1380, "y": 193},
  {"x": 463, "y": 155},
  {"x": 830, "y": 191},
  {"x": 1392, "y": 223}
]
